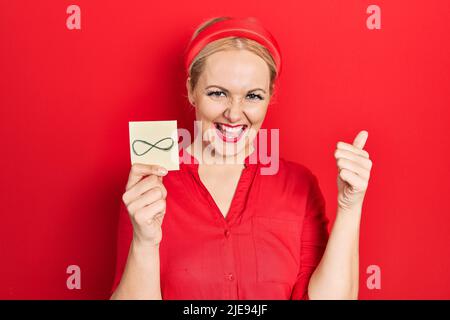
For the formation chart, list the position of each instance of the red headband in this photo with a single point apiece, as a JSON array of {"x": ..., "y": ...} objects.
[{"x": 238, "y": 27}]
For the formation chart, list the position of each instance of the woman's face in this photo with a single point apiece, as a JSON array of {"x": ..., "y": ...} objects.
[{"x": 231, "y": 99}]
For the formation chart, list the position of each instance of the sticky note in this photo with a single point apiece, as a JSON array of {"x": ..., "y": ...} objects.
[{"x": 154, "y": 142}]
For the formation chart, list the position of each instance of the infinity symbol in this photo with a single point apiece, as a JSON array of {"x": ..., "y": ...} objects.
[{"x": 155, "y": 145}]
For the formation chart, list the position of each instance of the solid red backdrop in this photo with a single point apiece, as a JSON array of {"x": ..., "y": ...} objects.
[{"x": 66, "y": 98}]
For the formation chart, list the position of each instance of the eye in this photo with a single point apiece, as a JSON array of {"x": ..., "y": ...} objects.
[
  {"x": 255, "y": 96},
  {"x": 215, "y": 93}
]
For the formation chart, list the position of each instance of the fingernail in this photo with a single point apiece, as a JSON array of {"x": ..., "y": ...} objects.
[{"x": 162, "y": 170}]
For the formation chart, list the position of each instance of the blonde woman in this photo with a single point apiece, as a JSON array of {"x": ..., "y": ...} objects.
[{"x": 224, "y": 230}]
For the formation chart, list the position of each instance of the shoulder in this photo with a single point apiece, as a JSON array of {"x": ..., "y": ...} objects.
[
  {"x": 284, "y": 194},
  {"x": 290, "y": 174},
  {"x": 294, "y": 168},
  {"x": 180, "y": 177}
]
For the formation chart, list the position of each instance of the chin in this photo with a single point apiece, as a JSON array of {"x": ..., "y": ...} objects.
[
  {"x": 227, "y": 149},
  {"x": 230, "y": 149}
]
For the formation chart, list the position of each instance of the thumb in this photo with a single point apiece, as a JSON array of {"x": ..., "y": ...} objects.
[{"x": 361, "y": 139}]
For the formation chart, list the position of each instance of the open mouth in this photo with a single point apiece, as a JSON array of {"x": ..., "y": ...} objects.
[{"x": 230, "y": 133}]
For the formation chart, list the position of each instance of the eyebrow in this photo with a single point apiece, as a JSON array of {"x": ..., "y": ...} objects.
[{"x": 222, "y": 88}]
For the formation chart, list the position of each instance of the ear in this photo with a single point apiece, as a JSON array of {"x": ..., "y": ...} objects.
[{"x": 188, "y": 89}]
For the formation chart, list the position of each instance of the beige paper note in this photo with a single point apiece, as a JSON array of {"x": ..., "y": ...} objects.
[{"x": 154, "y": 142}]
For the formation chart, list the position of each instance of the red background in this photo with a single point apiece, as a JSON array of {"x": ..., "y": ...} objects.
[{"x": 67, "y": 96}]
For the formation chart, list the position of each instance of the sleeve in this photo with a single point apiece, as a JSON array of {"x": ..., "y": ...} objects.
[
  {"x": 314, "y": 239},
  {"x": 124, "y": 237}
]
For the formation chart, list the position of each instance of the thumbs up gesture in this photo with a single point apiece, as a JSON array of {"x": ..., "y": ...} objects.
[{"x": 354, "y": 167}]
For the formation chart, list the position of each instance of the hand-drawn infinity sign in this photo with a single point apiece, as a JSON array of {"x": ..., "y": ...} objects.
[{"x": 156, "y": 145}]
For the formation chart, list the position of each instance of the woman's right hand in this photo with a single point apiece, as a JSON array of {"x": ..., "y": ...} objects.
[{"x": 145, "y": 200}]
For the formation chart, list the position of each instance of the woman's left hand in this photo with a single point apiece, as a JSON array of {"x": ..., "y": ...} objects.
[{"x": 354, "y": 168}]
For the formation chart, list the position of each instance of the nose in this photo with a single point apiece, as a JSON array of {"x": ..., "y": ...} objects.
[{"x": 234, "y": 111}]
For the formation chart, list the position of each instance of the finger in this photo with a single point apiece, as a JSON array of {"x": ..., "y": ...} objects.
[
  {"x": 146, "y": 184},
  {"x": 159, "y": 216},
  {"x": 157, "y": 183},
  {"x": 360, "y": 139},
  {"x": 349, "y": 147},
  {"x": 359, "y": 159},
  {"x": 140, "y": 188},
  {"x": 139, "y": 170},
  {"x": 145, "y": 199},
  {"x": 147, "y": 213},
  {"x": 163, "y": 190},
  {"x": 353, "y": 167},
  {"x": 357, "y": 183}
]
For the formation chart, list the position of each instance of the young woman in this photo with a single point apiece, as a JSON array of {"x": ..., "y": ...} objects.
[{"x": 222, "y": 229}]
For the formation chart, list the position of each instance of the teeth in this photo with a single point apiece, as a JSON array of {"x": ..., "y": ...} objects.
[
  {"x": 235, "y": 129},
  {"x": 230, "y": 131}
]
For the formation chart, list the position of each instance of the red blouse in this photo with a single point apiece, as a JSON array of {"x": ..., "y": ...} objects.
[{"x": 267, "y": 247}]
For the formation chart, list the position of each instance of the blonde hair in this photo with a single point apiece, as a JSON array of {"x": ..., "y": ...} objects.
[{"x": 228, "y": 43}]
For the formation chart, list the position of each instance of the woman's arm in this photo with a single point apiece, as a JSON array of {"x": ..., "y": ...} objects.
[
  {"x": 140, "y": 279},
  {"x": 337, "y": 275},
  {"x": 145, "y": 202}
]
